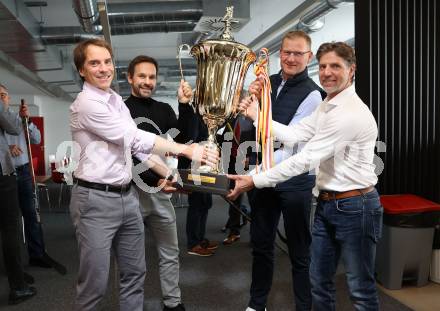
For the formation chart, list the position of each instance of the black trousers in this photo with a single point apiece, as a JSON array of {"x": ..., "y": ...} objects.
[
  {"x": 266, "y": 208},
  {"x": 10, "y": 231},
  {"x": 233, "y": 222},
  {"x": 196, "y": 217}
]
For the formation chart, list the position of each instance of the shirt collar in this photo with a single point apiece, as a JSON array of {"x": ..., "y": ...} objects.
[
  {"x": 343, "y": 94},
  {"x": 105, "y": 95}
]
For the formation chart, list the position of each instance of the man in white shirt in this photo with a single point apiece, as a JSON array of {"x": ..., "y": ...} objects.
[
  {"x": 340, "y": 138},
  {"x": 104, "y": 207}
]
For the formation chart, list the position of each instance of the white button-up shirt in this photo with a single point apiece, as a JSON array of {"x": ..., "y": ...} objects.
[
  {"x": 106, "y": 134},
  {"x": 340, "y": 138}
]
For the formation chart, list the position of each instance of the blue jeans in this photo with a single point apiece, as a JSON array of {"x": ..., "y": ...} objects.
[
  {"x": 347, "y": 228},
  {"x": 32, "y": 228}
]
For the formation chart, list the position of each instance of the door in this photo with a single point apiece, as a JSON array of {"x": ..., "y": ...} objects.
[{"x": 38, "y": 150}]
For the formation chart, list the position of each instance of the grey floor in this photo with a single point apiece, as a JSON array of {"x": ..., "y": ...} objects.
[{"x": 220, "y": 282}]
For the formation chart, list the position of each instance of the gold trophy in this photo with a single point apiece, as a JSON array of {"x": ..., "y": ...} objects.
[{"x": 221, "y": 68}]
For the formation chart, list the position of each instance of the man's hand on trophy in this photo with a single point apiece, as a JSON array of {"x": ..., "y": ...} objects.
[
  {"x": 255, "y": 88},
  {"x": 184, "y": 93},
  {"x": 243, "y": 183},
  {"x": 170, "y": 185},
  {"x": 202, "y": 154},
  {"x": 167, "y": 186},
  {"x": 249, "y": 107}
]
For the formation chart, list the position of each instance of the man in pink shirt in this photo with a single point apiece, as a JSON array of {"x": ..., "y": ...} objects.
[{"x": 104, "y": 207}]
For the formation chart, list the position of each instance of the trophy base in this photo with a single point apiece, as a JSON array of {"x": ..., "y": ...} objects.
[{"x": 204, "y": 182}]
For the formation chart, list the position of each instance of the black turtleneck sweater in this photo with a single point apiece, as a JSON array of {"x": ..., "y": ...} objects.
[
  {"x": 160, "y": 113},
  {"x": 161, "y": 118}
]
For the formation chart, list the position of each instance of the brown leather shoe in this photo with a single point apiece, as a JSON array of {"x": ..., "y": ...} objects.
[
  {"x": 231, "y": 239},
  {"x": 198, "y": 250},
  {"x": 209, "y": 244}
]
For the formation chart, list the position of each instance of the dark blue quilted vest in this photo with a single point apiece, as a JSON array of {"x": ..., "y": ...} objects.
[{"x": 284, "y": 107}]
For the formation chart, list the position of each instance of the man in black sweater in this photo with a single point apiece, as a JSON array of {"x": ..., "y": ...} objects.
[{"x": 156, "y": 207}]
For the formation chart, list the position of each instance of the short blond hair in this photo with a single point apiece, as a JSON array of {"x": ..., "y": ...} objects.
[{"x": 294, "y": 34}]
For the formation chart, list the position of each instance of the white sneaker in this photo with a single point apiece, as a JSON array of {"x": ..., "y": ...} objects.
[{"x": 250, "y": 309}]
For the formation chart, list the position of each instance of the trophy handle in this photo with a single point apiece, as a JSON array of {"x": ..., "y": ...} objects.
[{"x": 179, "y": 51}]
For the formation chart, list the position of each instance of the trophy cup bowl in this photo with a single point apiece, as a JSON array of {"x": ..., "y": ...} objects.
[{"x": 221, "y": 69}]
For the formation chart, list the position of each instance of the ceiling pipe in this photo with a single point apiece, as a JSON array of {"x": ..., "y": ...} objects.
[
  {"x": 310, "y": 21},
  {"x": 155, "y": 8},
  {"x": 129, "y": 18},
  {"x": 88, "y": 15},
  {"x": 65, "y": 35},
  {"x": 305, "y": 14}
]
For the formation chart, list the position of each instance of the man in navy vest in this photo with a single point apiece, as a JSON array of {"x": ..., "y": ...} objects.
[{"x": 294, "y": 96}]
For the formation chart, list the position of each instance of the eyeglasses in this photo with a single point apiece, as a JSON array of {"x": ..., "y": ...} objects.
[{"x": 296, "y": 54}]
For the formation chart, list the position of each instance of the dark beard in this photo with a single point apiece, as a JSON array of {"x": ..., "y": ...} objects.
[{"x": 137, "y": 92}]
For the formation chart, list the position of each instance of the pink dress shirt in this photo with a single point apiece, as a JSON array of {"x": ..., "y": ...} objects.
[{"x": 105, "y": 136}]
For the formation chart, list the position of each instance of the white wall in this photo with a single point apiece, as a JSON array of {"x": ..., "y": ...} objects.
[
  {"x": 339, "y": 26},
  {"x": 56, "y": 123},
  {"x": 263, "y": 15}
]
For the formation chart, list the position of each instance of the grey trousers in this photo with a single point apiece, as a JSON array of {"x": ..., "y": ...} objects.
[
  {"x": 105, "y": 221},
  {"x": 158, "y": 212}
]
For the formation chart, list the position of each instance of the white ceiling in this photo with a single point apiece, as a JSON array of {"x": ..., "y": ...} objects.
[{"x": 263, "y": 15}]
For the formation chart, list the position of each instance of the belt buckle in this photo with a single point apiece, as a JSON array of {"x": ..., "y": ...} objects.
[
  {"x": 324, "y": 196},
  {"x": 327, "y": 196},
  {"x": 125, "y": 188}
]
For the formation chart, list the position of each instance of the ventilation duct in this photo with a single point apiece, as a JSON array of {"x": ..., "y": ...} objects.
[
  {"x": 311, "y": 20},
  {"x": 140, "y": 17},
  {"x": 88, "y": 15},
  {"x": 65, "y": 35},
  {"x": 304, "y": 15},
  {"x": 170, "y": 16}
]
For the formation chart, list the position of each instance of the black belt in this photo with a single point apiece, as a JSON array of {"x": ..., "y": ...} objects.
[{"x": 102, "y": 187}]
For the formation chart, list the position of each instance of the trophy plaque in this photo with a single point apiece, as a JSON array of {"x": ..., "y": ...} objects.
[{"x": 221, "y": 68}]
